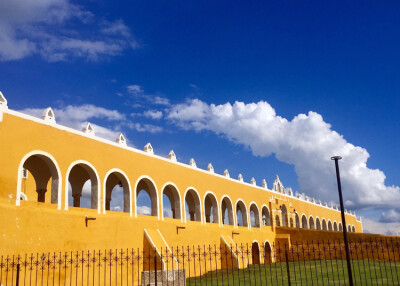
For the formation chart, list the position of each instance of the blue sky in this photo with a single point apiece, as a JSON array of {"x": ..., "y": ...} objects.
[{"x": 153, "y": 69}]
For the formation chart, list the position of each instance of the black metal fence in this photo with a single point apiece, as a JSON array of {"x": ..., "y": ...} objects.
[{"x": 374, "y": 262}]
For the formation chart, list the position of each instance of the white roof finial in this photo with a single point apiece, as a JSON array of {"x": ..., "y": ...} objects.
[
  {"x": 48, "y": 115},
  {"x": 210, "y": 168},
  {"x": 3, "y": 101},
  {"x": 240, "y": 178},
  {"x": 172, "y": 156},
  {"x": 264, "y": 184},
  {"x": 88, "y": 129},
  {"x": 253, "y": 181},
  {"x": 148, "y": 148},
  {"x": 192, "y": 163},
  {"x": 226, "y": 173},
  {"x": 121, "y": 139}
]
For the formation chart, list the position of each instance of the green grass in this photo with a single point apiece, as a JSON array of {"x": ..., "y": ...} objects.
[{"x": 314, "y": 272}]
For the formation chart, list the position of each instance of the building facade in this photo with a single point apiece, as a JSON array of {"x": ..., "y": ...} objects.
[{"x": 58, "y": 187}]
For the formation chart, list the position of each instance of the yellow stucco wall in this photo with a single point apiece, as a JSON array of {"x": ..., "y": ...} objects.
[{"x": 33, "y": 226}]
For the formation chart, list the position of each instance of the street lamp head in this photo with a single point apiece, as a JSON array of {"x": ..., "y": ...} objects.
[{"x": 336, "y": 158}]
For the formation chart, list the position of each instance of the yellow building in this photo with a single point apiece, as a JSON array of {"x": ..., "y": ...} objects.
[{"x": 45, "y": 166}]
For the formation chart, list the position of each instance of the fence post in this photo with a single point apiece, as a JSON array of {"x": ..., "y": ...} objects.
[
  {"x": 287, "y": 266},
  {"x": 155, "y": 268},
  {"x": 346, "y": 242},
  {"x": 17, "y": 278}
]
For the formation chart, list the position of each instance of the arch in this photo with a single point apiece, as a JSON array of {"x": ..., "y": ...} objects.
[
  {"x": 349, "y": 228},
  {"x": 116, "y": 177},
  {"x": 192, "y": 200},
  {"x": 304, "y": 222},
  {"x": 297, "y": 220},
  {"x": 335, "y": 226},
  {"x": 291, "y": 222},
  {"x": 255, "y": 253},
  {"x": 340, "y": 226},
  {"x": 226, "y": 206},
  {"x": 267, "y": 252},
  {"x": 277, "y": 220},
  {"x": 284, "y": 215},
  {"x": 330, "y": 228},
  {"x": 253, "y": 208},
  {"x": 241, "y": 206},
  {"x": 171, "y": 191},
  {"x": 311, "y": 222},
  {"x": 43, "y": 168},
  {"x": 146, "y": 184},
  {"x": 353, "y": 228},
  {"x": 318, "y": 223},
  {"x": 211, "y": 208},
  {"x": 266, "y": 217},
  {"x": 324, "y": 226},
  {"x": 78, "y": 173}
]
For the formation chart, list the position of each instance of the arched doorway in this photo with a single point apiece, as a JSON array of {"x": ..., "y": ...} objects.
[
  {"x": 349, "y": 228},
  {"x": 340, "y": 226},
  {"x": 330, "y": 228},
  {"x": 291, "y": 223},
  {"x": 254, "y": 215},
  {"x": 266, "y": 219},
  {"x": 318, "y": 223},
  {"x": 335, "y": 228},
  {"x": 83, "y": 188},
  {"x": 255, "y": 253},
  {"x": 267, "y": 253},
  {"x": 324, "y": 227},
  {"x": 227, "y": 211},
  {"x": 284, "y": 215},
  {"x": 211, "y": 208},
  {"x": 311, "y": 223},
  {"x": 146, "y": 197},
  {"x": 39, "y": 179},
  {"x": 117, "y": 192},
  {"x": 171, "y": 202},
  {"x": 241, "y": 214},
  {"x": 192, "y": 206},
  {"x": 297, "y": 221},
  {"x": 353, "y": 228},
  {"x": 304, "y": 223}
]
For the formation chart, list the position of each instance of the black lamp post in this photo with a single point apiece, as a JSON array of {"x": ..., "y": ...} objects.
[{"x": 346, "y": 243}]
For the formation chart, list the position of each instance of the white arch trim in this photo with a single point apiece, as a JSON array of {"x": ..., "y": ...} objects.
[
  {"x": 261, "y": 214},
  {"x": 259, "y": 217},
  {"x": 235, "y": 212},
  {"x": 21, "y": 167},
  {"x": 161, "y": 198},
  {"x": 97, "y": 178},
  {"x": 116, "y": 170},
  {"x": 204, "y": 207},
  {"x": 155, "y": 187},
  {"x": 184, "y": 203},
  {"x": 301, "y": 220}
]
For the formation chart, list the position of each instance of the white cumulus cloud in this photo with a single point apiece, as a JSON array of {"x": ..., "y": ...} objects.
[
  {"x": 153, "y": 114},
  {"x": 306, "y": 141},
  {"x": 48, "y": 28}
]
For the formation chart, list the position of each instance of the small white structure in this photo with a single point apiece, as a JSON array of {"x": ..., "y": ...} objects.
[
  {"x": 88, "y": 129},
  {"x": 278, "y": 186},
  {"x": 264, "y": 184},
  {"x": 48, "y": 116},
  {"x": 313, "y": 200},
  {"x": 240, "y": 178},
  {"x": 192, "y": 163},
  {"x": 3, "y": 105},
  {"x": 298, "y": 196},
  {"x": 210, "y": 168},
  {"x": 226, "y": 173},
  {"x": 289, "y": 191},
  {"x": 325, "y": 204},
  {"x": 253, "y": 181},
  {"x": 148, "y": 148},
  {"x": 172, "y": 156},
  {"x": 121, "y": 140}
]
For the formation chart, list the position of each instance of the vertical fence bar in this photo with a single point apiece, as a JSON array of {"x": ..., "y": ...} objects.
[{"x": 287, "y": 266}]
